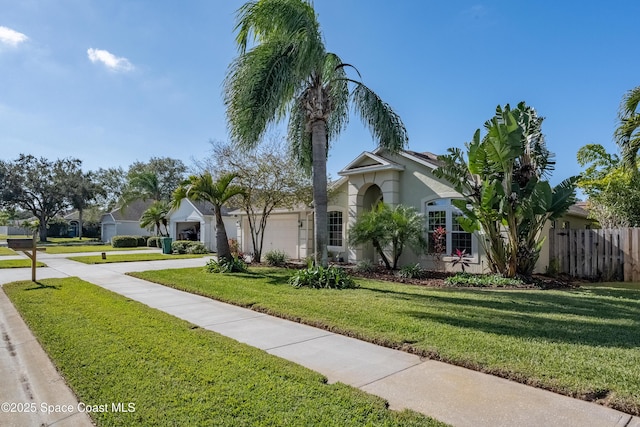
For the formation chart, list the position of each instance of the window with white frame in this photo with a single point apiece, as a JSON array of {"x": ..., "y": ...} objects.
[
  {"x": 442, "y": 213},
  {"x": 335, "y": 228}
]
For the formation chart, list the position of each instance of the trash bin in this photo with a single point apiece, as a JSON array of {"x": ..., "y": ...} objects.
[{"x": 166, "y": 245}]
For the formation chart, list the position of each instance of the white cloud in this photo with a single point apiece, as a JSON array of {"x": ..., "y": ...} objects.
[
  {"x": 111, "y": 61},
  {"x": 11, "y": 37}
]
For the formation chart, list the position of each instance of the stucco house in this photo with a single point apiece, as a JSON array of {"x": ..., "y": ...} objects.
[
  {"x": 195, "y": 220},
  {"x": 124, "y": 221},
  {"x": 404, "y": 178}
]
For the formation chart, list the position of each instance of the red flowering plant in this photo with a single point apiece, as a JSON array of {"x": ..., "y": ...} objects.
[{"x": 460, "y": 257}]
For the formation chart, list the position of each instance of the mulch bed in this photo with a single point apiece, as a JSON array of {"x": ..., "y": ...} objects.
[{"x": 436, "y": 279}]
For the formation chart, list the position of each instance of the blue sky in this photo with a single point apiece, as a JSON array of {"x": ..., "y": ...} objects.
[{"x": 112, "y": 82}]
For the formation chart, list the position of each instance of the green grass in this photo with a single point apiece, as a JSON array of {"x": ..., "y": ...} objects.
[
  {"x": 112, "y": 349},
  {"x": 583, "y": 343},
  {"x": 88, "y": 248},
  {"x": 19, "y": 263},
  {"x": 72, "y": 240},
  {"x": 7, "y": 251},
  {"x": 14, "y": 236},
  {"x": 97, "y": 259}
]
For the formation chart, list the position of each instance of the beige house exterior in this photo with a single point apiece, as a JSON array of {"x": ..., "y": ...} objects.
[{"x": 403, "y": 178}]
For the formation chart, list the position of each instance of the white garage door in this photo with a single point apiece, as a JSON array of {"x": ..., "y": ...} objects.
[
  {"x": 108, "y": 231},
  {"x": 281, "y": 234}
]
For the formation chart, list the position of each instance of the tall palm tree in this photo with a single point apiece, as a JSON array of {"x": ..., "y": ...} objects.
[
  {"x": 142, "y": 185},
  {"x": 156, "y": 215},
  {"x": 627, "y": 134},
  {"x": 288, "y": 72},
  {"x": 203, "y": 187}
]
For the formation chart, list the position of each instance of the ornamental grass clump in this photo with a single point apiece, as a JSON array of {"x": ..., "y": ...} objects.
[
  {"x": 226, "y": 265},
  {"x": 322, "y": 277},
  {"x": 276, "y": 258},
  {"x": 411, "y": 272}
]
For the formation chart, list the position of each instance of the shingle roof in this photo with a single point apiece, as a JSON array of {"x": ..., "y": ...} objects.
[{"x": 132, "y": 212}]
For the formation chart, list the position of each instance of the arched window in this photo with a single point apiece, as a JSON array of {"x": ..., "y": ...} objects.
[
  {"x": 442, "y": 213},
  {"x": 335, "y": 228}
]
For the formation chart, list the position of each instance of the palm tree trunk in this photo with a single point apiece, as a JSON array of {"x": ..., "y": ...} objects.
[
  {"x": 319, "y": 172},
  {"x": 222, "y": 243}
]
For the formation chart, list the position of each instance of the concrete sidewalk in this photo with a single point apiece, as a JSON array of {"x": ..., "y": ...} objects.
[{"x": 448, "y": 393}]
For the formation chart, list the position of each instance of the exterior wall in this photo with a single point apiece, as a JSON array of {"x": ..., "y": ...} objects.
[
  {"x": 288, "y": 231},
  {"x": 11, "y": 230},
  {"x": 122, "y": 228}
]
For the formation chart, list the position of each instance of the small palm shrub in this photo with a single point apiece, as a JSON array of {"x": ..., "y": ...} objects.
[
  {"x": 233, "y": 265},
  {"x": 321, "y": 277},
  {"x": 276, "y": 258},
  {"x": 364, "y": 266},
  {"x": 411, "y": 272}
]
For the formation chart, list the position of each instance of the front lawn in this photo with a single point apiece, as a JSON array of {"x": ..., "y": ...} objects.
[
  {"x": 19, "y": 263},
  {"x": 7, "y": 251},
  {"x": 97, "y": 259},
  {"x": 57, "y": 249},
  {"x": 583, "y": 343},
  {"x": 112, "y": 349}
]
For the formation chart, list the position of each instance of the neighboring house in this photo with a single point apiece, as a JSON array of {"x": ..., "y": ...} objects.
[
  {"x": 124, "y": 221},
  {"x": 195, "y": 220},
  {"x": 403, "y": 178},
  {"x": 73, "y": 218}
]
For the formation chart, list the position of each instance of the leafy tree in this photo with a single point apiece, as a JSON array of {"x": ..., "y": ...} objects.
[
  {"x": 504, "y": 194},
  {"x": 385, "y": 226},
  {"x": 40, "y": 186},
  {"x": 155, "y": 180},
  {"x": 288, "y": 72},
  {"x": 156, "y": 216},
  {"x": 112, "y": 183},
  {"x": 613, "y": 189},
  {"x": 218, "y": 193},
  {"x": 269, "y": 180},
  {"x": 627, "y": 134}
]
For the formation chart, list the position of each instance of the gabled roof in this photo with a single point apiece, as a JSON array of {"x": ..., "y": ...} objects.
[
  {"x": 206, "y": 208},
  {"x": 426, "y": 158},
  {"x": 579, "y": 209},
  {"x": 369, "y": 162},
  {"x": 132, "y": 212}
]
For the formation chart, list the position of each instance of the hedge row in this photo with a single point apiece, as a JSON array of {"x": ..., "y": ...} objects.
[
  {"x": 128, "y": 241},
  {"x": 188, "y": 247}
]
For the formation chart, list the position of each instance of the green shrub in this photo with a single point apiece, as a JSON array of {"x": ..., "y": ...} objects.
[
  {"x": 196, "y": 248},
  {"x": 188, "y": 247},
  {"x": 154, "y": 242},
  {"x": 411, "y": 272},
  {"x": 482, "y": 280},
  {"x": 276, "y": 258},
  {"x": 233, "y": 265},
  {"x": 321, "y": 277},
  {"x": 142, "y": 240},
  {"x": 124, "y": 241},
  {"x": 365, "y": 266}
]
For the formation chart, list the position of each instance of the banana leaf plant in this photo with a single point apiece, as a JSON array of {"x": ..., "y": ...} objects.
[{"x": 504, "y": 191}]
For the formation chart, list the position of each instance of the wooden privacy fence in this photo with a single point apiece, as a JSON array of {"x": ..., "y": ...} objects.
[{"x": 606, "y": 254}]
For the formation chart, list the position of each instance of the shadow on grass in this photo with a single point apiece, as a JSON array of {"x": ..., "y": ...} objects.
[
  {"x": 40, "y": 286},
  {"x": 591, "y": 318}
]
